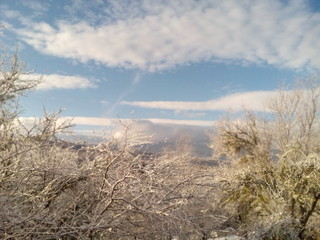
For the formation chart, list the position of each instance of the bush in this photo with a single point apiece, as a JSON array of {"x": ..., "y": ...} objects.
[{"x": 271, "y": 178}]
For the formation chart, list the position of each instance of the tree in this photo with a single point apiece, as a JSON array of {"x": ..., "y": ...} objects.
[{"x": 271, "y": 178}]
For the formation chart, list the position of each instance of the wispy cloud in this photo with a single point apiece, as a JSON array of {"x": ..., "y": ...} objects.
[
  {"x": 38, "y": 7},
  {"x": 180, "y": 122},
  {"x": 56, "y": 81},
  {"x": 107, "y": 122},
  {"x": 256, "y": 101},
  {"x": 91, "y": 121},
  {"x": 152, "y": 129},
  {"x": 141, "y": 130},
  {"x": 157, "y": 130},
  {"x": 163, "y": 34}
]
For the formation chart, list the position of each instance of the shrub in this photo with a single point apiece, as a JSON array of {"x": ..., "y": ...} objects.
[{"x": 274, "y": 166}]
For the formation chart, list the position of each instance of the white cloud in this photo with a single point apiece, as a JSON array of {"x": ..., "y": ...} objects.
[
  {"x": 54, "y": 81},
  {"x": 198, "y": 123},
  {"x": 108, "y": 122},
  {"x": 256, "y": 101},
  {"x": 159, "y": 130},
  {"x": 153, "y": 129},
  {"x": 94, "y": 121},
  {"x": 163, "y": 34},
  {"x": 91, "y": 121}
]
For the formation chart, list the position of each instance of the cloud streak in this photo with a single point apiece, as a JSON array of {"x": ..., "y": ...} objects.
[
  {"x": 90, "y": 121},
  {"x": 109, "y": 122},
  {"x": 164, "y": 34},
  {"x": 56, "y": 81},
  {"x": 255, "y": 101},
  {"x": 154, "y": 129}
]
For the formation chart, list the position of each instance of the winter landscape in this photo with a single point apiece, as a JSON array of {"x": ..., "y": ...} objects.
[{"x": 160, "y": 119}]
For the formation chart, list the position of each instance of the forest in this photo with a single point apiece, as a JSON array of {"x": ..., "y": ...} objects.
[{"x": 264, "y": 183}]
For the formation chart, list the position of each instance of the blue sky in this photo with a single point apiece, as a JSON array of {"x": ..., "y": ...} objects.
[{"x": 167, "y": 62}]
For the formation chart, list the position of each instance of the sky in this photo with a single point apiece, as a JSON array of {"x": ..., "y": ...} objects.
[{"x": 170, "y": 66}]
